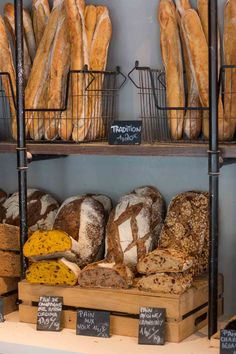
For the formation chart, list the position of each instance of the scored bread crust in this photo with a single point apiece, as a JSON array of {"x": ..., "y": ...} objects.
[
  {"x": 172, "y": 60},
  {"x": 53, "y": 272},
  {"x": 40, "y": 12},
  {"x": 29, "y": 34},
  {"x": 105, "y": 274},
  {"x": 90, "y": 24},
  {"x": 165, "y": 260}
]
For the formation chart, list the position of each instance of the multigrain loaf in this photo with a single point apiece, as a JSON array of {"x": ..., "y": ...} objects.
[
  {"x": 105, "y": 274},
  {"x": 171, "y": 283},
  {"x": 83, "y": 218},
  {"x": 53, "y": 272},
  {"x": 164, "y": 260},
  {"x": 172, "y": 60},
  {"x": 41, "y": 208},
  {"x": 9, "y": 237},
  {"x": 9, "y": 264},
  {"x": 40, "y": 13}
]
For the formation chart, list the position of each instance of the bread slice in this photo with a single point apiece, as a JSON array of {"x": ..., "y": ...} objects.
[
  {"x": 53, "y": 272},
  {"x": 105, "y": 274},
  {"x": 29, "y": 34},
  {"x": 164, "y": 260},
  {"x": 170, "y": 283},
  {"x": 41, "y": 12},
  {"x": 172, "y": 60}
]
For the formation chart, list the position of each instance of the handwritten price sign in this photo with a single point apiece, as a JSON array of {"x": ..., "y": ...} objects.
[
  {"x": 93, "y": 323},
  {"x": 151, "y": 326},
  {"x": 49, "y": 313}
]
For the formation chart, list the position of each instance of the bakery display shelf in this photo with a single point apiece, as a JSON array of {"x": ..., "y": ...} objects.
[{"x": 185, "y": 313}]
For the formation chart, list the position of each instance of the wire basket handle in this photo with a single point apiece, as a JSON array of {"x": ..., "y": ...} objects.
[{"x": 117, "y": 72}]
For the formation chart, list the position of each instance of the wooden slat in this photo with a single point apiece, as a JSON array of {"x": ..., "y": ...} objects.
[
  {"x": 9, "y": 264},
  {"x": 9, "y": 237},
  {"x": 9, "y": 303},
  {"x": 8, "y": 284}
]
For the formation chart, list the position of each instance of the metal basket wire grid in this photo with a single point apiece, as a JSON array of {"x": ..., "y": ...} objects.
[
  {"x": 7, "y": 107},
  {"x": 89, "y": 106},
  {"x": 172, "y": 124}
]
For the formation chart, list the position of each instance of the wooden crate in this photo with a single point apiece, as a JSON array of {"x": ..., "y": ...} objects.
[
  {"x": 8, "y": 293},
  {"x": 186, "y": 313}
]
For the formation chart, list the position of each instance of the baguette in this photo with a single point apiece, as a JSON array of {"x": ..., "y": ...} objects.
[
  {"x": 9, "y": 18},
  {"x": 98, "y": 60},
  {"x": 41, "y": 12},
  {"x": 6, "y": 65},
  {"x": 90, "y": 24},
  {"x": 193, "y": 118},
  {"x": 172, "y": 60},
  {"x": 230, "y": 59},
  {"x": 74, "y": 115},
  {"x": 29, "y": 34},
  {"x": 36, "y": 89}
]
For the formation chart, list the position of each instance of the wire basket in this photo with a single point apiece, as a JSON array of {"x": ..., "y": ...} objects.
[
  {"x": 7, "y": 108},
  {"x": 160, "y": 122}
]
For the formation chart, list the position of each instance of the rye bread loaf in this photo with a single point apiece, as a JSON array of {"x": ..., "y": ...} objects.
[
  {"x": 83, "y": 218},
  {"x": 164, "y": 260},
  {"x": 41, "y": 206},
  {"x": 53, "y": 272},
  {"x": 104, "y": 274},
  {"x": 170, "y": 283},
  {"x": 187, "y": 225}
]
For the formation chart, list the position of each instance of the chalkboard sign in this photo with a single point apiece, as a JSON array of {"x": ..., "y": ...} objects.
[
  {"x": 1, "y": 310},
  {"x": 151, "y": 326},
  {"x": 93, "y": 323},
  {"x": 49, "y": 313},
  {"x": 125, "y": 132},
  {"x": 227, "y": 341}
]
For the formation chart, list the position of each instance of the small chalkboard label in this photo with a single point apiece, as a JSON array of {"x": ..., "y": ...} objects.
[
  {"x": 125, "y": 132},
  {"x": 227, "y": 341},
  {"x": 49, "y": 313},
  {"x": 1, "y": 310},
  {"x": 151, "y": 326},
  {"x": 93, "y": 323}
]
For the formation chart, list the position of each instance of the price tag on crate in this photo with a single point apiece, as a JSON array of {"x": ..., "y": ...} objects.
[
  {"x": 93, "y": 323},
  {"x": 125, "y": 132},
  {"x": 228, "y": 341},
  {"x": 1, "y": 310},
  {"x": 151, "y": 326},
  {"x": 49, "y": 313}
]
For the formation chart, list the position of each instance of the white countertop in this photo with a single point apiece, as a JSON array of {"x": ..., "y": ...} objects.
[{"x": 22, "y": 338}]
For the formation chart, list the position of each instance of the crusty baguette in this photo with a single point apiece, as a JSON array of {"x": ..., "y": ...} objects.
[
  {"x": 172, "y": 60},
  {"x": 9, "y": 18},
  {"x": 57, "y": 77},
  {"x": 36, "y": 89},
  {"x": 97, "y": 61},
  {"x": 230, "y": 59},
  {"x": 41, "y": 12},
  {"x": 202, "y": 7},
  {"x": 75, "y": 113},
  {"x": 193, "y": 118},
  {"x": 6, "y": 65},
  {"x": 29, "y": 34},
  {"x": 90, "y": 24}
]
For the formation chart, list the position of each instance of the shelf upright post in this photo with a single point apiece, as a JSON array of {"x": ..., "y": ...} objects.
[
  {"x": 21, "y": 144},
  {"x": 214, "y": 168}
]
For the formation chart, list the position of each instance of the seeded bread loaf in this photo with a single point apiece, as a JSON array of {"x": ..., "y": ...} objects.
[
  {"x": 106, "y": 275},
  {"x": 164, "y": 260},
  {"x": 171, "y": 283},
  {"x": 83, "y": 218},
  {"x": 53, "y": 272},
  {"x": 41, "y": 206}
]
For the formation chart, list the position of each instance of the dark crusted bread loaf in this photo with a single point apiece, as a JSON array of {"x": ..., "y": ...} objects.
[
  {"x": 104, "y": 274},
  {"x": 83, "y": 218},
  {"x": 3, "y": 196},
  {"x": 41, "y": 206}
]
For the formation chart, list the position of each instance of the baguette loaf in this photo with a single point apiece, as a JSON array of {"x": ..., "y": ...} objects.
[
  {"x": 29, "y": 34},
  {"x": 53, "y": 272},
  {"x": 6, "y": 65},
  {"x": 230, "y": 59},
  {"x": 90, "y": 24},
  {"x": 193, "y": 118},
  {"x": 106, "y": 275},
  {"x": 164, "y": 260},
  {"x": 172, "y": 60},
  {"x": 36, "y": 89},
  {"x": 9, "y": 18},
  {"x": 170, "y": 283},
  {"x": 41, "y": 12}
]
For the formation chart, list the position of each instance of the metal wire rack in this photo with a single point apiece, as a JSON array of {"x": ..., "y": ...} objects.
[{"x": 7, "y": 108}]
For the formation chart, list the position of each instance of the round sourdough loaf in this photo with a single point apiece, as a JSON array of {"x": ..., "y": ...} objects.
[
  {"x": 41, "y": 206},
  {"x": 83, "y": 218}
]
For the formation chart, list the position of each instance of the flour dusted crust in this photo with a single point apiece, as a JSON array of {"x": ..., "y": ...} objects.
[
  {"x": 186, "y": 226},
  {"x": 83, "y": 218},
  {"x": 164, "y": 260},
  {"x": 170, "y": 283},
  {"x": 105, "y": 274},
  {"x": 42, "y": 209},
  {"x": 129, "y": 235}
]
